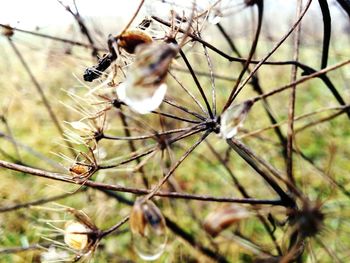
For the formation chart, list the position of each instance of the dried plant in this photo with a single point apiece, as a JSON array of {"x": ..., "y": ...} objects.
[{"x": 168, "y": 113}]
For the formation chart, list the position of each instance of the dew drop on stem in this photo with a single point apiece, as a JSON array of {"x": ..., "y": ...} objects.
[
  {"x": 148, "y": 230},
  {"x": 233, "y": 117},
  {"x": 144, "y": 87}
]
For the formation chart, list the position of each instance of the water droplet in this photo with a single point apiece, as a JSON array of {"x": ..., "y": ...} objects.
[
  {"x": 140, "y": 99},
  {"x": 148, "y": 230},
  {"x": 144, "y": 88},
  {"x": 233, "y": 117},
  {"x": 214, "y": 17},
  {"x": 224, "y": 217}
]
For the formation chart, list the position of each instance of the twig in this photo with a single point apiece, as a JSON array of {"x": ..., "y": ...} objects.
[
  {"x": 131, "y": 145},
  {"x": 245, "y": 194},
  {"x": 64, "y": 40},
  {"x": 13, "y": 250},
  {"x": 326, "y": 31},
  {"x": 197, "y": 83},
  {"x": 246, "y": 154},
  {"x": 203, "y": 73},
  {"x": 42, "y": 94},
  {"x": 138, "y": 191},
  {"x": 260, "y": 5},
  {"x": 258, "y": 89},
  {"x": 301, "y": 80},
  {"x": 291, "y": 108},
  {"x": 37, "y": 202},
  {"x": 84, "y": 30},
  {"x": 234, "y": 93},
  {"x": 307, "y": 69}
]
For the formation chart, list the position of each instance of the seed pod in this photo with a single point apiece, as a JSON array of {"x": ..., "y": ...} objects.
[
  {"x": 148, "y": 229},
  {"x": 233, "y": 117},
  {"x": 79, "y": 169},
  {"x": 144, "y": 88},
  {"x": 132, "y": 38},
  {"x": 73, "y": 238},
  {"x": 224, "y": 217}
]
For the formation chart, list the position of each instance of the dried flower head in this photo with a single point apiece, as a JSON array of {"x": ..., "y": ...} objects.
[
  {"x": 79, "y": 170},
  {"x": 132, "y": 38},
  {"x": 308, "y": 220},
  {"x": 76, "y": 235}
]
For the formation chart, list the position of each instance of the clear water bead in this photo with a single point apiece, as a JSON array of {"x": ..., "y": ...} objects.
[
  {"x": 144, "y": 87},
  {"x": 148, "y": 229},
  {"x": 233, "y": 117}
]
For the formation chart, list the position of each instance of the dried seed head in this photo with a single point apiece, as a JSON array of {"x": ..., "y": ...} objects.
[
  {"x": 132, "y": 38},
  {"x": 224, "y": 217},
  {"x": 308, "y": 220},
  {"x": 79, "y": 169},
  {"x": 73, "y": 238},
  {"x": 233, "y": 117},
  {"x": 148, "y": 227},
  {"x": 144, "y": 88},
  {"x": 7, "y": 31}
]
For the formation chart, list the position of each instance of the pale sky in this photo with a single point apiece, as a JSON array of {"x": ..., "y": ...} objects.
[{"x": 30, "y": 13}]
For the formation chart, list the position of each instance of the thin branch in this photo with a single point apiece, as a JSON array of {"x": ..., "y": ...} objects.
[
  {"x": 245, "y": 194},
  {"x": 42, "y": 94},
  {"x": 37, "y": 202},
  {"x": 303, "y": 79},
  {"x": 327, "y": 118},
  {"x": 258, "y": 89},
  {"x": 197, "y": 83},
  {"x": 234, "y": 93},
  {"x": 326, "y": 31},
  {"x": 138, "y": 191},
  {"x": 131, "y": 144},
  {"x": 246, "y": 154},
  {"x": 13, "y": 250},
  {"x": 305, "y": 68},
  {"x": 184, "y": 109},
  {"x": 194, "y": 242},
  {"x": 203, "y": 73},
  {"x": 260, "y": 5},
  {"x": 81, "y": 23},
  {"x": 114, "y": 228},
  {"x": 188, "y": 92},
  {"x": 291, "y": 108},
  {"x": 63, "y": 40},
  {"x": 176, "y": 165},
  {"x": 148, "y": 136}
]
